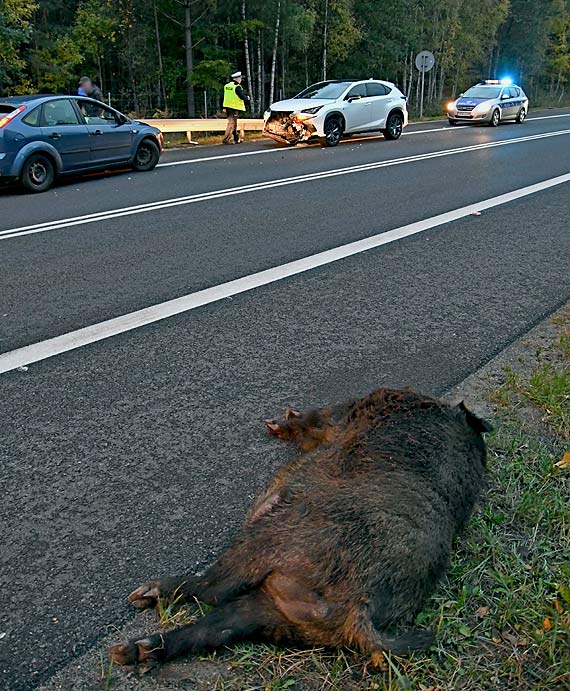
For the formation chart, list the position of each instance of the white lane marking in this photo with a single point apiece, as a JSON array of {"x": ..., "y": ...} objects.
[
  {"x": 112, "y": 327},
  {"x": 188, "y": 161},
  {"x": 11, "y": 233}
]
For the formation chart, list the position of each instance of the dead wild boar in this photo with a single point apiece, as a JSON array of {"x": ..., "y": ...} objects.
[{"x": 347, "y": 541}]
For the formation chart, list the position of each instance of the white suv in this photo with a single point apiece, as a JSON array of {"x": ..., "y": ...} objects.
[{"x": 328, "y": 110}]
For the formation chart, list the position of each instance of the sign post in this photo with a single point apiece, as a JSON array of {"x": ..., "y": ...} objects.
[{"x": 425, "y": 60}]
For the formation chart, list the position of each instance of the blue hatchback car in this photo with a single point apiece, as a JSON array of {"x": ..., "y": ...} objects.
[{"x": 42, "y": 137}]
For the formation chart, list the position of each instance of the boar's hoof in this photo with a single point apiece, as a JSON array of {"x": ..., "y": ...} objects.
[
  {"x": 145, "y": 597},
  {"x": 144, "y": 651},
  {"x": 377, "y": 660}
]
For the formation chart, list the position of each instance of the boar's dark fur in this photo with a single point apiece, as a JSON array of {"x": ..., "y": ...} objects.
[{"x": 347, "y": 541}]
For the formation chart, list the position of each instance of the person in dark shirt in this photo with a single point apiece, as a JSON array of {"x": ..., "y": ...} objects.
[
  {"x": 87, "y": 88},
  {"x": 235, "y": 100}
]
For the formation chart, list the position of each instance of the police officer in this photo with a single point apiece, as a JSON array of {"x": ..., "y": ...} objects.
[{"x": 235, "y": 100}]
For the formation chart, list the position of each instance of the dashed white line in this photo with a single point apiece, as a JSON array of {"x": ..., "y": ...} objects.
[
  {"x": 11, "y": 233},
  {"x": 112, "y": 327}
]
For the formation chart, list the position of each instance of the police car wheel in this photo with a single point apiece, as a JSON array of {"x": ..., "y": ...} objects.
[
  {"x": 38, "y": 173},
  {"x": 147, "y": 156},
  {"x": 453, "y": 123},
  {"x": 333, "y": 131},
  {"x": 521, "y": 117},
  {"x": 495, "y": 118}
]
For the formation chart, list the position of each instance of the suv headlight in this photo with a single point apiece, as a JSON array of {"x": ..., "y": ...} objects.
[{"x": 312, "y": 111}]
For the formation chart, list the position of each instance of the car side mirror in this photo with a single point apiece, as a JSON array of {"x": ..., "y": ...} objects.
[
  {"x": 350, "y": 99},
  {"x": 504, "y": 97}
]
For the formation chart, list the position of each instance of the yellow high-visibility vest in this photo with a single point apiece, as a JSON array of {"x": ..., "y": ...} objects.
[{"x": 231, "y": 99}]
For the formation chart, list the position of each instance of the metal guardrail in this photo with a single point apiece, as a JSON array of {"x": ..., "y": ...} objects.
[{"x": 190, "y": 125}]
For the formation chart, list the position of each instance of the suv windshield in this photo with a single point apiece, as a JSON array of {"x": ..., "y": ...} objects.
[
  {"x": 482, "y": 92},
  {"x": 329, "y": 90}
]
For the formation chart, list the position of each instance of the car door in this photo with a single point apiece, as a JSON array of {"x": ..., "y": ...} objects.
[
  {"x": 61, "y": 127},
  {"x": 357, "y": 108},
  {"x": 508, "y": 109},
  {"x": 111, "y": 138},
  {"x": 381, "y": 102}
]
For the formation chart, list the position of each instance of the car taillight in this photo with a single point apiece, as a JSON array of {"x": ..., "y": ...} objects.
[{"x": 6, "y": 119}]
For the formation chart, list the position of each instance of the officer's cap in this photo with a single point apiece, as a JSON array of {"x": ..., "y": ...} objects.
[{"x": 235, "y": 75}]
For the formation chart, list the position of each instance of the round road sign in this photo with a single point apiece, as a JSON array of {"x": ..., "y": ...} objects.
[{"x": 425, "y": 61}]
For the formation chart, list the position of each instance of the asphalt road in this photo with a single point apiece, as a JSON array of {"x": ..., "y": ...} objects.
[{"x": 138, "y": 455}]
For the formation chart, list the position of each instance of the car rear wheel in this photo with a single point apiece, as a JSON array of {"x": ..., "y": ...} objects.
[
  {"x": 521, "y": 117},
  {"x": 394, "y": 126},
  {"x": 495, "y": 118},
  {"x": 147, "y": 156},
  {"x": 333, "y": 131},
  {"x": 38, "y": 173}
]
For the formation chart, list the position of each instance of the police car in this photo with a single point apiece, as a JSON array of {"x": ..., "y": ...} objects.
[{"x": 491, "y": 101}]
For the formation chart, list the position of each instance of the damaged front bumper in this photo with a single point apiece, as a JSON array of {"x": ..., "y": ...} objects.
[{"x": 289, "y": 128}]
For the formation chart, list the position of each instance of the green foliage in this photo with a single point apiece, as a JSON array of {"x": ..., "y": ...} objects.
[
  {"x": 15, "y": 30},
  {"x": 211, "y": 74},
  {"x": 136, "y": 48}
]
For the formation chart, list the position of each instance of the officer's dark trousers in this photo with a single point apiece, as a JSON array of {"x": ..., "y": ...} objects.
[{"x": 232, "y": 133}]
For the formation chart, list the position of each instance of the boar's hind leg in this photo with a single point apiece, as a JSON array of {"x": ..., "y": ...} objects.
[
  {"x": 252, "y": 615},
  {"x": 360, "y": 631}
]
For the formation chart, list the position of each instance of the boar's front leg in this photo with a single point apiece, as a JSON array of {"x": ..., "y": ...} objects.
[
  {"x": 253, "y": 614},
  {"x": 242, "y": 567}
]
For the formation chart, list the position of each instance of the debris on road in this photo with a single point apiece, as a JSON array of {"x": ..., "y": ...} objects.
[
  {"x": 289, "y": 128},
  {"x": 475, "y": 213},
  {"x": 23, "y": 368}
]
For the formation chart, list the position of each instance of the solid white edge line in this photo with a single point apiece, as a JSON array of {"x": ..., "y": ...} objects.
[
  {"x": 112, "y": 327},
  {"x": 11, "y": 233}
]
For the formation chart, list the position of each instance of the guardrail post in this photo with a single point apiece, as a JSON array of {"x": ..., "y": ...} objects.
[{"x": 241, "y": 130}]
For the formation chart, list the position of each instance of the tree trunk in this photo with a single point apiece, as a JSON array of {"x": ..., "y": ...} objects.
[
  {"x": 325, "y": 32},
  {"x": 250, "y": 84},
  {"x": 161, "y": 89},
  {"x": 189, "y": 60},
  {"x": 274, "y": 56},
  {"x": 259, "y": 74}
]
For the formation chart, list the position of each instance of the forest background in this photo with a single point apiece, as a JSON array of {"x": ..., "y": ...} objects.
[{"x": 172, "y": 57}]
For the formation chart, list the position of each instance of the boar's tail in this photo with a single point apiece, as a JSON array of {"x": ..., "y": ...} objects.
[{"x": 408, "y": 642}]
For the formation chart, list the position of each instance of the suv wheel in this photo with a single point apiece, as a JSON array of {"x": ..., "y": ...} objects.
[
  {"x": 495, "y": 118},
  {"x": 38, "y": 173},
  {"x": 147, "y": 156},
  {"x": 333, "y": 131},
  {"x": 521, "y": 117},
  {"x": 394, "y": 127}
]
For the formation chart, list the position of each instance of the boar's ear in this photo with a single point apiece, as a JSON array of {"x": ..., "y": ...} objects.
[
  {"x": 477, "y": 423},
  {"x": 291, "y": 412}
]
